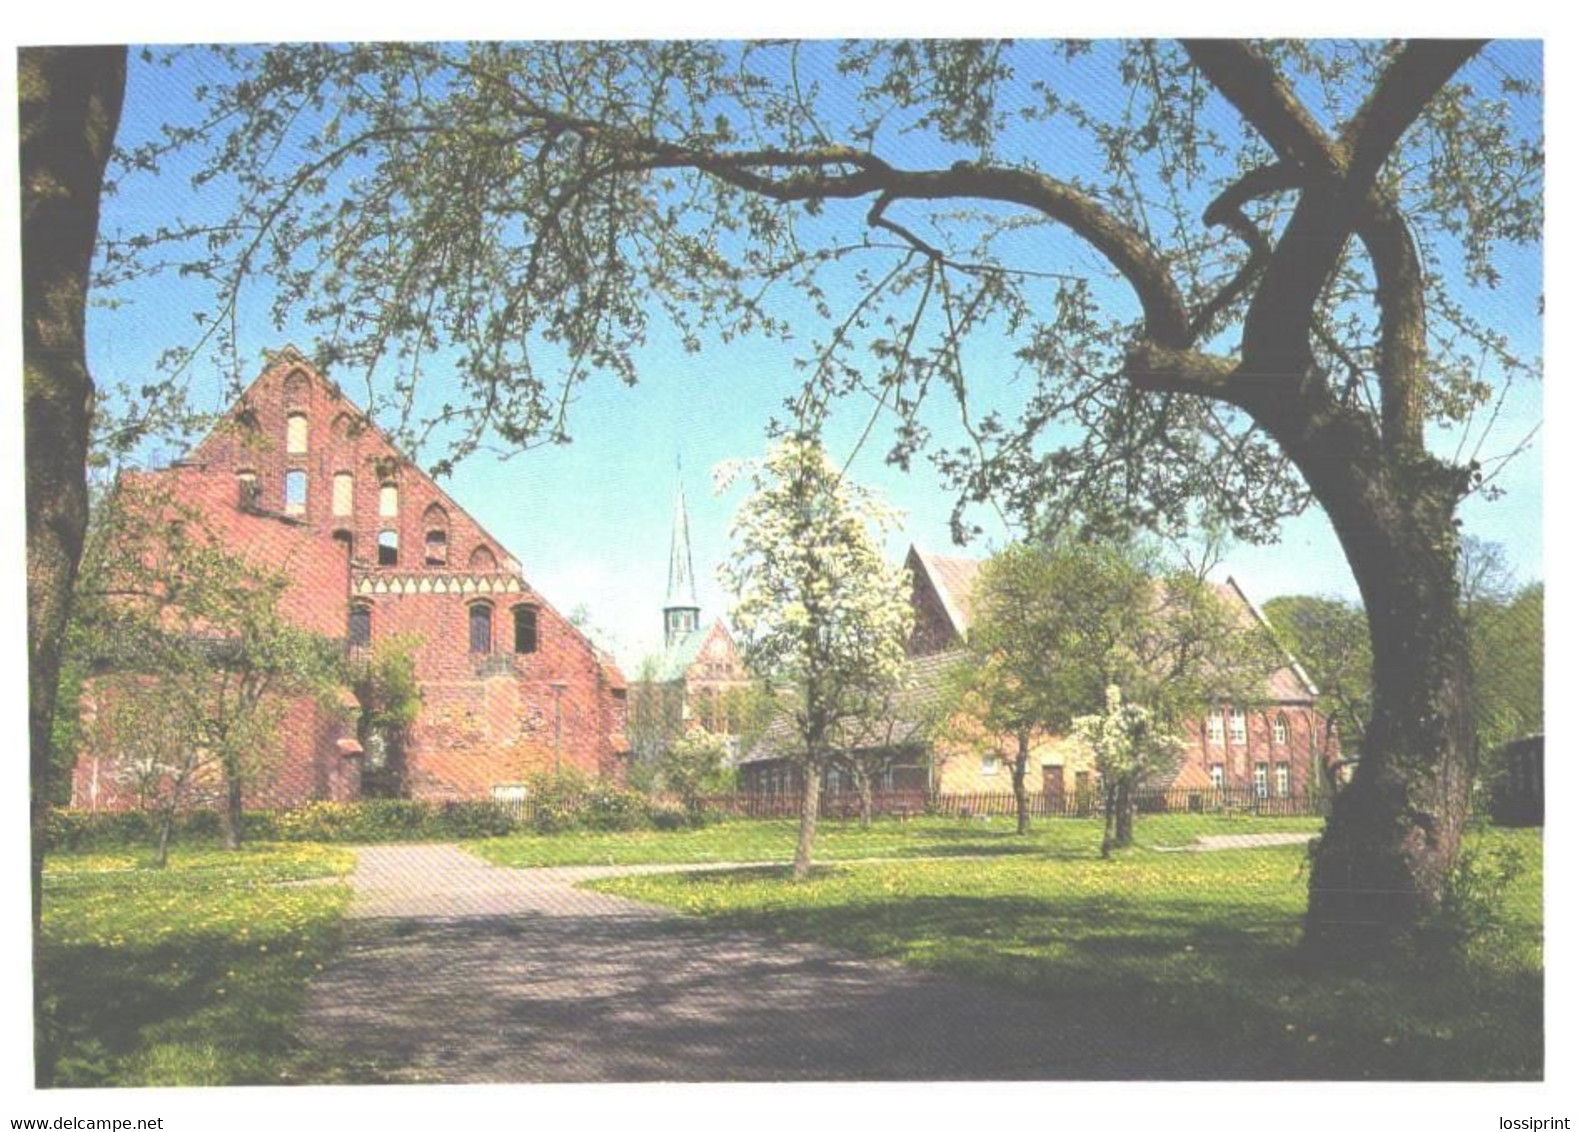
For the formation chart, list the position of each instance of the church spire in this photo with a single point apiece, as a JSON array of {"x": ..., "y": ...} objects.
[{"x": 681, "y": 611}]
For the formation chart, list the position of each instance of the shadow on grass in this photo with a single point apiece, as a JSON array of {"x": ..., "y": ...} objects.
[{"x": 1182, "y": 970}]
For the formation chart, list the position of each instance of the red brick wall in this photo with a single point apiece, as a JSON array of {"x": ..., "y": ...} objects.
[
  {"x": 484, "y": 720},
  {"x": 304, "y": 764},
  {"x": 1309, "y": 742},
  {"x": 932, "y": 631}
]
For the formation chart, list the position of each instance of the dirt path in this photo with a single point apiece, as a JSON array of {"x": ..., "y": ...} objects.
[{"x": 456, "y": 970}]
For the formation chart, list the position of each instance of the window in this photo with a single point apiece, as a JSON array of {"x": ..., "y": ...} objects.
[
  {"x": 1261, "y": 780},
  {"x": 989, "y": 765},
  {"x": 1281, "y": 779},
  {"x": 247, "y": 491},
  {"x": 1281, "y": 730},
  {"x": 296, "y": 433},
  {"x": 481, "y": 619},
  {"x": 345, "y": 487},
  {"x": 295, "y": 492},
  {"x": 347, "y": 543},
  {"x": 389, "y": 548},
  {"x": 360, "y": 629},
  {"x": 436, "y": 542},
  {"x": 526, "y": 619},
  {"x": 389, "y": 501},
  {"x": 482, "y": 559},
  {"x": 1217, "y": 776},
  {"x": 1237, "y": 725}
]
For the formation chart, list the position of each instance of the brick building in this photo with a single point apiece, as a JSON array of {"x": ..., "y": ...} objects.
[
  {"x": 296, "y": 476},
  {"x": 690, "y": 686},
  {"x": 1270, "y": 751}
]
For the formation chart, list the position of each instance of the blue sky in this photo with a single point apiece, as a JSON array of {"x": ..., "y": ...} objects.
[{"x": 590, "y": 521}]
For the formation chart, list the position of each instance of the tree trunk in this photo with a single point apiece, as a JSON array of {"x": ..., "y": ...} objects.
[
  {"x": 1395, "y": 829},
  {"x": 162, "y": 851},
  {"x": 1018, "y": 782},
  {"x": 1124, "y": 814},
  {"x": 1108, "y": 819},
  {"x": 864, "y": 793},
  {"x": 69, "y": 102},
  {"x": 811, "y": 795},
  {"x": 230, "y": 816}
]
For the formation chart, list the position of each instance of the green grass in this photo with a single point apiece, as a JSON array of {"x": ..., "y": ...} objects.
[
  {"x": 773, "y": 841},
  {"x": 1184, "y": 947},
  {"x": 190, "y": 975}
]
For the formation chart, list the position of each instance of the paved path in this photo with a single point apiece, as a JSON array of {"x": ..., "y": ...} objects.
[
  {"x": 456, "y": 970},
  {"x": 1217, "y": 842}
]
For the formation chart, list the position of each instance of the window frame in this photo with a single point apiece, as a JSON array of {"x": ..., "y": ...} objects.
[
  {"x": 520, "y": 615},
  {"x": 393, "y": 546},
  {"x": 1238, "y": 731},
  {"x": 363, "y": 612},
  {"x": 1259, "y": 781},
  {"x": 1215, "y": 728},
  {"x": 480, "y": 613},
  {"x": 295, "y": 476}
]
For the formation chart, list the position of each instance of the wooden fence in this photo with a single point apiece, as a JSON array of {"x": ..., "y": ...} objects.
[{"x": 846, "y": 804}]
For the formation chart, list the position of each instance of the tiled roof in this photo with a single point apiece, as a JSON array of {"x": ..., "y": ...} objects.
[
  {"x": 916, "y": 709},
  {"x": 954, "y": 578}
]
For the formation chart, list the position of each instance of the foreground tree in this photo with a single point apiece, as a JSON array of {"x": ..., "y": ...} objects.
[
  {"x": 1127, "y": 744},
  {"x": 1299, "y": 227},
  {"x": 167, "y": 608},
  {"x": 70, "y": 105},
  {"x": 821, "y": 614}
]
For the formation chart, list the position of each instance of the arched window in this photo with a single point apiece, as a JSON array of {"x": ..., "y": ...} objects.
[
  {"x": 359, "y": 628},
  {"x": 482, "y": 559},
  {"x": 1281, "y": 729},
  {"x": 526, "y": 626},
  {"x": 296, "y": 433},
  {"x": 347, "y": 542},
  {"x": 247, "y": 491},
  {"x": 389, "y": 548},
  {"x": 389, "y": 500},
  {"x": 1237, "y": 725},
  {"x": 1215, "y": 726},
  {"x": 436, "y": 539},
  {"x": 296, "y": 492},
  {"x": 345, "y": 493},
  {"x": 481, "y": 624},
  {"x": 295, "y": 389}
]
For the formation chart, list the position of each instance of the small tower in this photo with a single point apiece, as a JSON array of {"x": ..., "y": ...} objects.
[{"x": 682, "y": 614}]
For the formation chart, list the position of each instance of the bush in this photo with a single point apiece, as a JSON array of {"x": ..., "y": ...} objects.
[
  {"x": 609, "y": 807},
  {"x": 467, "y": 820},
  {"x": 1474, "y": 902}
]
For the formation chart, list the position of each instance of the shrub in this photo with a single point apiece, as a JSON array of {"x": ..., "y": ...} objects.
[
  {"x": 465, "y": 820},
  {"x": 606, "y": 806},
  {"x": 1474, "y": 902}
]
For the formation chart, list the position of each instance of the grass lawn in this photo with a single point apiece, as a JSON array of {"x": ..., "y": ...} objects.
[
  {"x": 773, "y": 841},
  {"x": 189, "y": 975},
  {"x": 1185, "y": 947}
]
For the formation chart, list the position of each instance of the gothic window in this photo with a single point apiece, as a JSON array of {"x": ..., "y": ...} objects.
[
  {"x": 1261, "y": 780},
  {"x": 482, "y": 560},
  {"x": 359, "y": 631},
  {"x": 389, "y": 501},
  {"x": 1281, "y": 779},
  {"x": 247, "y": 490},
  {"x": 1215, "y": 726},
  {"x": 389, "y": 548},
  {"x": 1237, "y": 725},
  {"x": 295, "y": 389},
  {"x": 295, "y": 492},
  {"x": 481, "y": 623},
  {"x": 1281, "y": 730},
  {"x": 345, "y": 487},
  {"x": 526, "y": 626},
  {"x": 296, "y": 433},
  {"x": 436, "y": 540}
]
